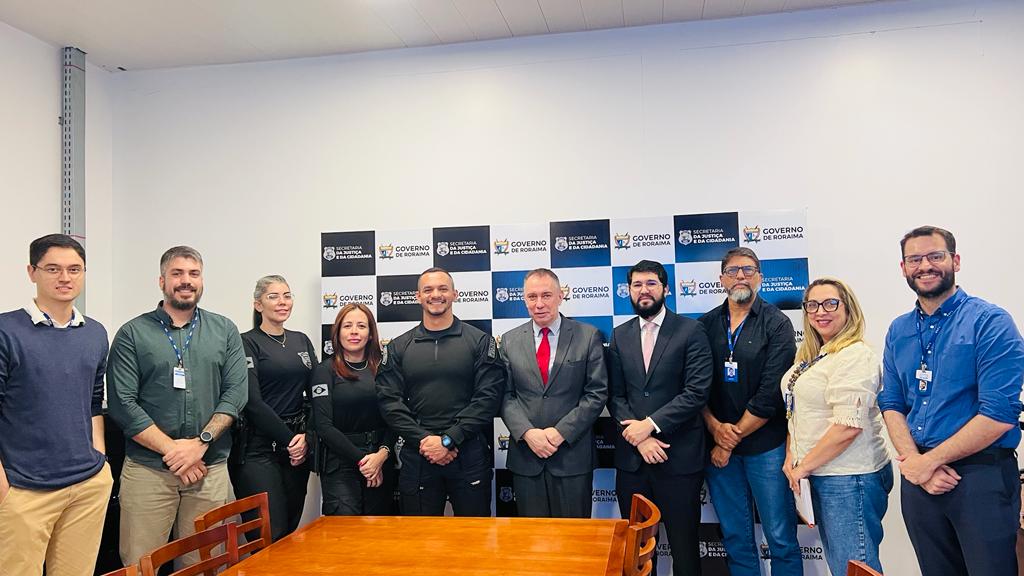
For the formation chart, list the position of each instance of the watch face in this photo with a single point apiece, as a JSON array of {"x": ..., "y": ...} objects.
[
  {"x": 446, "y": 441},
  {"x": 206, "y": 437}
]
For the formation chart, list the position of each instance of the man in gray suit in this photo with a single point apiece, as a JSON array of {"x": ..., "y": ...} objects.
[{"x": 557, "y": 387}]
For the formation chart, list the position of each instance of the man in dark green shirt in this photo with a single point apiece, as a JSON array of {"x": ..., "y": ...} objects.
[{"x": 176, "y": 381}]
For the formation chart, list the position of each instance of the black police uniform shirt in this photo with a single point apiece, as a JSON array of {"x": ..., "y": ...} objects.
[
  {"x": 278, "y": 378},
  {"x": 441, "y": 382},
  {"x": 342, "y": 407}
]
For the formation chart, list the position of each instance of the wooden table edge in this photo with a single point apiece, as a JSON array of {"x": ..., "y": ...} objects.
[{"x": 617, "y": 550}]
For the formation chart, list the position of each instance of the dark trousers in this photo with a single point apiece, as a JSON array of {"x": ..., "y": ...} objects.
[
  {"x": 346, "y": 494},
  {"x": 970, "y": 530},
  {"x": 678, "y": 498},
  {"x": 466, "y": 481},
  {"x": 547, "y": 496},
  {"x": 265, "y": 470}
]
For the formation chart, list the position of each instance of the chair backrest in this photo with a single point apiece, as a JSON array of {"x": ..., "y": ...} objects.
[
  {"x": 262, "y": 522},
  {"x": 132, "y": 570},
  {"x": 858, "y": 568},
  {"x": 225, "y": 534},
  {"x": 644, "y": 517}
]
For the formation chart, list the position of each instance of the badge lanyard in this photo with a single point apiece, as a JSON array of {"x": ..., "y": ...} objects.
[
  {"x": 732, "y": 373},
  {"x": 178, "y": 372},
  {"x": 923, "y": 374},
  {"x": 788, "y": 396}
]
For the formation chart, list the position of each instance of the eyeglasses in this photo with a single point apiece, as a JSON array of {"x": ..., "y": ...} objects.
[
  {"x": 734, "y": 271},
  {"x": 650, "y": 284},
  {"x": 73, "y": 271},
  {"x": 937, "y": 257},
  {"x": 829, "y": 305}
]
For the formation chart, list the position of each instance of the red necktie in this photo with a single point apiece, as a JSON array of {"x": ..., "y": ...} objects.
[{"x": 544, "y": 354}]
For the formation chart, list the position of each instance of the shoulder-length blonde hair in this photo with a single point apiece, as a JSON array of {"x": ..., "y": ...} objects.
[{"x": 851, "y": 333}]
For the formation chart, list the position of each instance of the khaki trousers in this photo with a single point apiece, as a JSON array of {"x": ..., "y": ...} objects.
[
  {"x": 155, "y": 501},
  {"x": 61, "y": 527}
]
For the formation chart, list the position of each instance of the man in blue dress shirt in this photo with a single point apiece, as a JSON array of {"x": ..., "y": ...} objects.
[{"x": 953, "y": 369}]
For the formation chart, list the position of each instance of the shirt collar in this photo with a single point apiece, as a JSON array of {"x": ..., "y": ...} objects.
[
  {"x": 948, "y": 306},
  {"x": 755, "y": 308},
  {"x": 164, "y": 317},
  {"x": 658, "y": 320},
  {"x": 554, "y": 327},
  {"x": 40, "y": 317}
]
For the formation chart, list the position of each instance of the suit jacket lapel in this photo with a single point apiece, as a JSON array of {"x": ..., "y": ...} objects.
[
  {"x": 664, "y": 335},
  {"x": 564, "y": 340},
  {"x": 631, "y": 348},
  {"x": 530, "y": 353}
]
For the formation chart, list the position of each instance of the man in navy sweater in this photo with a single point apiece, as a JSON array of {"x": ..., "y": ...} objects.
[{"x": 54, "y": 479}]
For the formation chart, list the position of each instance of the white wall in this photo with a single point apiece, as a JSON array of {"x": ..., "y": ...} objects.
[
  {"x": 30, "y": 167},
  {"x": 876, "y": 118}
]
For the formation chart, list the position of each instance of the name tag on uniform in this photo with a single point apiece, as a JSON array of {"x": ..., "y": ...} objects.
[
  {"x": 924, "y": 375},
  {"x": 732, "y": 371},
  {"x": 179, "y": 378}
]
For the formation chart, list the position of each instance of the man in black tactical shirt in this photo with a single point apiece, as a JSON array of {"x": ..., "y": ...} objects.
[{"x": 439, "y": 386}]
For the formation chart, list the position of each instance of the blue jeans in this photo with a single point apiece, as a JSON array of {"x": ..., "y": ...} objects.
[
  {"x": 747, "y": 480},
  {"x": 849, "y": 511}
]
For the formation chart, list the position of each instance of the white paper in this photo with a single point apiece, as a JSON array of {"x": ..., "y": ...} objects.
[{"x": 803, "y": 502}]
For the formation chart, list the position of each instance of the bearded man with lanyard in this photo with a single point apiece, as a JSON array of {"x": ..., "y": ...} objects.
[
  {"x": 952, "y": 377},
  {"x": 176, "y": 381},
  {"x": 753, "y": 344}
]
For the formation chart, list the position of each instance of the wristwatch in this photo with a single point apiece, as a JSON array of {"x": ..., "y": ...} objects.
[
  {"x": 205, "y": 437},
  {"x": 446, "y": 441}
]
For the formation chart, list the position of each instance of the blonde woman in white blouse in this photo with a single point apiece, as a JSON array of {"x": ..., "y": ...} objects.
[{"x": 835, "y": 427}]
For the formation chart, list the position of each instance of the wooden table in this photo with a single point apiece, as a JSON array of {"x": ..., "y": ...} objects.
[{"x": 423, "y": 546}]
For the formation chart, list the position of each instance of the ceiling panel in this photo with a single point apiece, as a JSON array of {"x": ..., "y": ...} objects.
[
  {"x": 642, "y": 12},
  {"x": 563, "y": 15},
  {"x": 139, "y": 34},
  {"x": 484, "y": 18},
  {"x": 603, "y": 13},
  {"x": 524, "y": 17}
]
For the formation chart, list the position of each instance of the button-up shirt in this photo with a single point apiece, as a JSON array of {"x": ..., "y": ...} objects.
[
  {"x": 140, "y": 380},
  {"x": 976, "y": 364},
  {"x": 554, "y": 329},
  {"x": 764, "y": 350}
]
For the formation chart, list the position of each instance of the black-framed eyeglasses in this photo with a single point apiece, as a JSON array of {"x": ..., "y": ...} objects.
[
  {"x": 937, "y": 257},
  {"x": 829, "y": 305},
  {"x": 734, "y": 271}
]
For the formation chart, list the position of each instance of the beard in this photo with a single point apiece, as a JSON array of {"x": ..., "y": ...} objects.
[
  {"x": 651, "y": 310},
  {"x": 181, "y": 304},
  {"x": 948, "y": 279},
  {"x": 741, "y": 294}
]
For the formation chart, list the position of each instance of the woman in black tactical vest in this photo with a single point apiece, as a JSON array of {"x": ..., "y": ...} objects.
[
  {"x": 357, "y": 473},
  {"x": 271, "y": 447}
]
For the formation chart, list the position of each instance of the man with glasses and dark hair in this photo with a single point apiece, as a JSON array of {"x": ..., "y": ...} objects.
[
  {"x": 753, "y": 345},
  {"x": 177, "y": 382},
  {"x": 952, "y": 377},
  {"x": 54, "y": 478},
  {"x": 659, "y": 372},
  {"x": 556, "y": 387}
]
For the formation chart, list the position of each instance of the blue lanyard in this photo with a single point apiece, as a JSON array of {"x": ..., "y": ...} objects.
[
  {"x": 188, "y": 339},
  {"x": 733, "y": 337},
  {"x": 926, "y": 349}
]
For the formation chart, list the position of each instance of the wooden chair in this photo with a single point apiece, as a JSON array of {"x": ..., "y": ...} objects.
[
  {"x": 644, "y": 517},
  {"x": 858, "y": 568},
  {"x": 226, "y": 534},
  {"x": 132, "y": 570},
  {"x": 232, "y": 509}
]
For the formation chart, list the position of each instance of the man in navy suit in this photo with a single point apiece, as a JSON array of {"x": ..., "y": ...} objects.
[
  {"x": 660, "y": 375},
  {"x": 557, "y": 386}
]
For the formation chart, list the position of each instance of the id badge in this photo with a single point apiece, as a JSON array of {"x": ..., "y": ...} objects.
[
  {"x": 179, "y": 378},
  {"x": 787, "y": 397},
  {"x": 924, "y": 375},
  {"x": 732, "y": 371}
]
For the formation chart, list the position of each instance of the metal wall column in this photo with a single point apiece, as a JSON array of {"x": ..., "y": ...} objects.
[{"x": 72, "y": 122}]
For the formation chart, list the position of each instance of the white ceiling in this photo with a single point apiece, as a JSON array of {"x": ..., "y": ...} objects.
[{"x": 139, "y": 34}]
